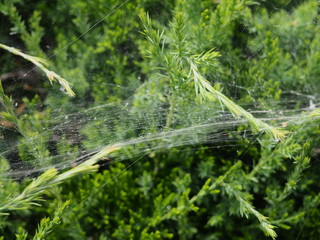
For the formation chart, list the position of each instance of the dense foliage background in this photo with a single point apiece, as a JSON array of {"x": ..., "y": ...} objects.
[{"x": 142, "y": 72}]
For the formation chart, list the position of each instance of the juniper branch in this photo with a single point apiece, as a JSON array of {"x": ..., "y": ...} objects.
[
  {"x": 302, "y": 162},
  {"x": 203, "y": 89},
  {"x": 247, "y": 209},
  {"x": 188, "y": 204},
  {"x": 47, "y": 224},
  {"x": 209, "y": 187},
  {"x": 207, "y": 92}
]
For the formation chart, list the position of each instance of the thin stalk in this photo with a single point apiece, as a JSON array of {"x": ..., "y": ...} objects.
[{"x": 170, "y": 114}]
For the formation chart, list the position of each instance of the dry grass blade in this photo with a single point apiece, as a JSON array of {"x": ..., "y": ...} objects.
[
  {"x": 39, "y": 62},
  {"x": 32, "y": 193}
]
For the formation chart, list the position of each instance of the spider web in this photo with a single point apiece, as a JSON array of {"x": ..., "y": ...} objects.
[
  {"x": 203, "y": 124},
  {"x": 88, "y": 129}
]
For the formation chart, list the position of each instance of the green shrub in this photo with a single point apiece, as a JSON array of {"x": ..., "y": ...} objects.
[{"x": 191, "y": 119}]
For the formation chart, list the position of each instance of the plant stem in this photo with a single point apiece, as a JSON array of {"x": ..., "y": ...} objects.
[{"x": 170, "y": 114}]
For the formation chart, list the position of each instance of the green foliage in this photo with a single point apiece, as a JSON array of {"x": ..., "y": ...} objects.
[{"x": 144, "y": 71}]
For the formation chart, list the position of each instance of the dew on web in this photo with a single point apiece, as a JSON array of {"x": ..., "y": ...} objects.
[{"x": 143, "y": 107}]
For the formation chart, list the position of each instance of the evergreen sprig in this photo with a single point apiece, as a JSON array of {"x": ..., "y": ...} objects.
[
  {"x": 174, "y": 62},
  {"x": 206, "y": 91},
  {"x": 46, "y": 224},
  {"x": 246, "y": 209}
]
